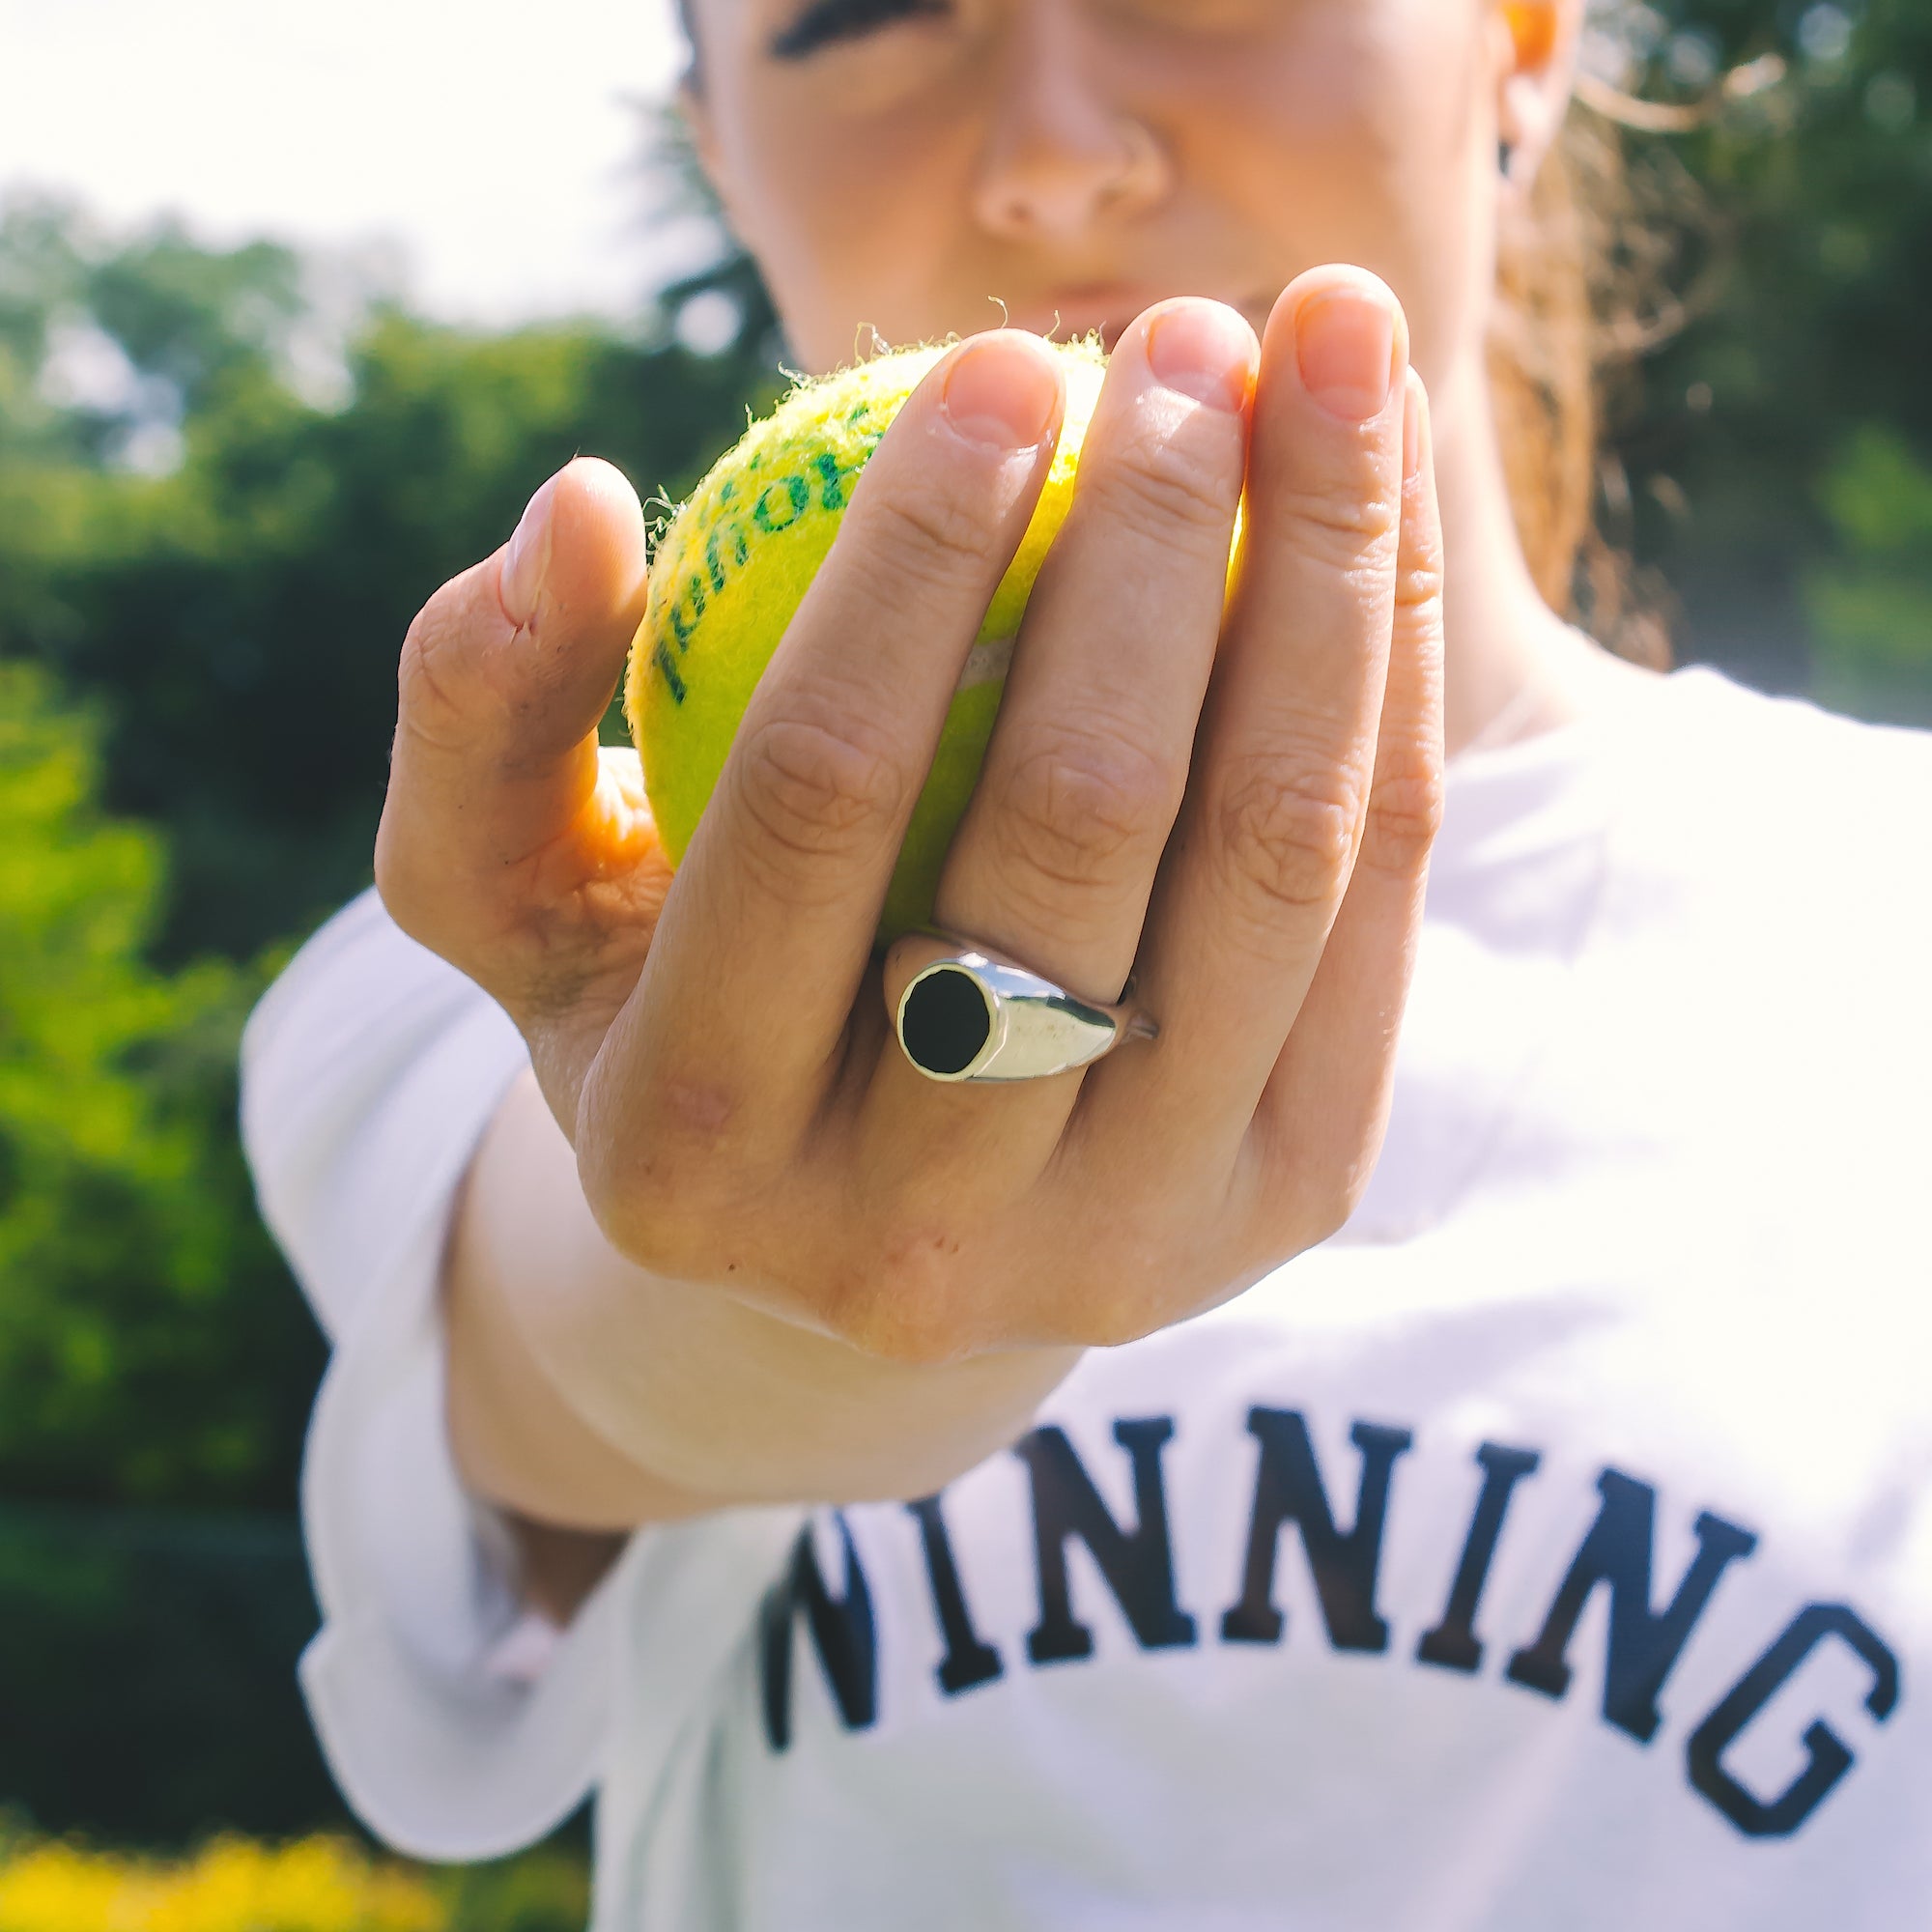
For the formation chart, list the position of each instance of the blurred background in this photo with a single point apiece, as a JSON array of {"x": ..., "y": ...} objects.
[{"x": 296, "y": 307}]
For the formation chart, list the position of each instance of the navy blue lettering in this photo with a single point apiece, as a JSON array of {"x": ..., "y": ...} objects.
[
  {"x": 969, "y": 1659},
  {"x": 842, "y": 1629},
  {"x": 1645, "y": 1644},
  {"x": 1740, "y": 1707},
  {"x": 1287, "y": 1488},
  {"x": 1138, "y": 1564},
  {"x": 1452, "y": 1644}
]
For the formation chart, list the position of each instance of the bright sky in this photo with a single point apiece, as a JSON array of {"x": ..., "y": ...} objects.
[{"x": 495, "y": 142}]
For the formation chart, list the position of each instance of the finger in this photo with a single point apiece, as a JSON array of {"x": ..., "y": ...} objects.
[
  {"x": 769, "y": 927},
  {"x": 1255, "y": 875},
  {"x": 503, "y": 679},
  {"x": 1056, "y": 856},
  {"x": 1327, "y": 1103}
]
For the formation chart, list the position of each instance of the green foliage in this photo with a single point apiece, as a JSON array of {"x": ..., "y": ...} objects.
[
  {"x": 544, "y": 1890},
  {"x": 1871, "y": 609},
  {"x": 39, "y": 276},
  {"x": 196, "y": 319},
  {"x": 218, "y": 555},
  {"x": 1811, "y": 260},
  {"x": 148, "y": 1675},
  {"x": 135, "y": 1357},
  {"x": 239, "y": 617}
]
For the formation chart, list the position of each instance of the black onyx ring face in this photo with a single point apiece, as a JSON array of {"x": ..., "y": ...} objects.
[{"x": 946, "y": 1022}]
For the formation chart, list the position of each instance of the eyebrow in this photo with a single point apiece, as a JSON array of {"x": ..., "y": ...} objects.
[{"x": 825, "y": 20}]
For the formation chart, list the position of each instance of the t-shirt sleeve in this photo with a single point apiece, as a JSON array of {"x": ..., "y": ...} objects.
[{"x": 456, "y": 1726}]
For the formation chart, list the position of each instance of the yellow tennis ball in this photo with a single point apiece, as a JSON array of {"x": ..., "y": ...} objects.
[{"x": 732, "y": 567}]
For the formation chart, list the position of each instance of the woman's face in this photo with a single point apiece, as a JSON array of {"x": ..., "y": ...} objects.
[{"x": 918, "y": 167}]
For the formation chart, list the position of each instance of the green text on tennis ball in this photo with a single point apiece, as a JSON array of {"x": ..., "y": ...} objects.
[{"x": 732, "y": 567}]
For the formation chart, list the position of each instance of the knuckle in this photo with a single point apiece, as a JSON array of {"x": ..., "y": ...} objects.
[
  {"x": 1316, "y": 1172},
  {"x": 898, "y": 1303},
  {"x": 1287, "y": 831},
  {"x": 648, "y": 1224},
  {"x": 1405, "y": 810},
  {"x": 436, "y": 701},
  {"x": 1115, "y": 1323},
  {"x": 928, "y": 535},
  {"x": 1304, "y": 1216},
  {"x": 1168, "y": 486},
  {"x": 1329, "y": 1206},
  {"x": 1418, "y": 585},
  {"x": 399, "y": 872},
  {"x": 1315, "y": 1218},
  {"x": 1116, "y": 1276},
  {"x": 1329, "y": 1203},
  {"x": 635, "y": 1203},
  {"x": 1076, "y": 806},
  {"x": 448, "y": 696},
  {"x": 1348, "y": 1195},
  {"x": 1341, "y": 528},
  {"x": 898, "y": 1330},
  {"x": 815, "y": 790},
  {"x": 668, "y": 1187},
  {"x": 1128, "y": 1313}
]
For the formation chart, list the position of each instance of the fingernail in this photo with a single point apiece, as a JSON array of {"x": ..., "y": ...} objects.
[
  {"x": 1000, "y": 396},
  {"x": 527, "y": 557},
  {"x": 1346, "y": 345},
  {"x": 1205, "y": 351}
]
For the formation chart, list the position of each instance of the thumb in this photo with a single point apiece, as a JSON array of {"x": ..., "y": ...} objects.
[
  {"x": 516, "y": 660},
  {"x": 571, "y": 583},
  {"x": 504, "y": 678}
]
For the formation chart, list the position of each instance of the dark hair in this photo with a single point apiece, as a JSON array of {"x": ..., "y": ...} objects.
[{"x": 1589, "y": 280}]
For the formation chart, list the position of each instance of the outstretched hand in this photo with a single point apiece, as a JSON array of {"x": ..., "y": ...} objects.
[{"x": 1233, "y": 804}]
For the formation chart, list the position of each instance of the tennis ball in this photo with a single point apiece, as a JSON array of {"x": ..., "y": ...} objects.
[{"x": 733, "y": 566}]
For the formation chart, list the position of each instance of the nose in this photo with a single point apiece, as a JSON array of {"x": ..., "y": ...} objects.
[{"x": 1061, "y": 151}]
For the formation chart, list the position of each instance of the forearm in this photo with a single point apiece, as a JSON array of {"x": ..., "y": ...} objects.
[{"x": 587, "y": 1393}]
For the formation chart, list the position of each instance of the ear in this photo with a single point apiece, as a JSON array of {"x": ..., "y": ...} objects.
[{"x": 1536, "y": 64}]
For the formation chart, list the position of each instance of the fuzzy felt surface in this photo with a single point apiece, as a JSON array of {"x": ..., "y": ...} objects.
[{"x": 730, "y": 569}]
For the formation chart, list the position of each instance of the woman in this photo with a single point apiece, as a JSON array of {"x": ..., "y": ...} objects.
[{"x": 1118, "y": 1497}]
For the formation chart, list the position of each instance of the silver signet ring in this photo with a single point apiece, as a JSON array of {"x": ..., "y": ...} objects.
[{"x": 970, "y": 1014}]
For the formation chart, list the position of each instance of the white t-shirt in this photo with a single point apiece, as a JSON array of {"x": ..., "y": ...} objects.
[{"x": 1552, "y": 1549}]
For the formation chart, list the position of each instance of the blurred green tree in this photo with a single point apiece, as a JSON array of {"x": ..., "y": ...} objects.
[
  {"x": 236, "y": 617},
  {"x": 208, "y": 557},
  {"x": 1805, "y": 210},
  {"x": 1870, "y": 609},
  {"x": 145, "y": 1351}
]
